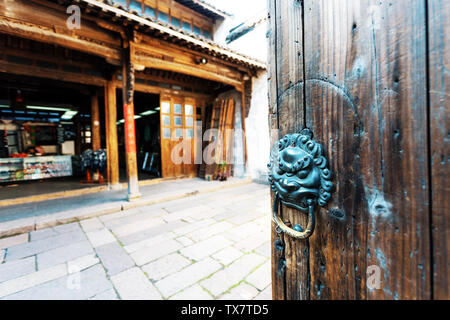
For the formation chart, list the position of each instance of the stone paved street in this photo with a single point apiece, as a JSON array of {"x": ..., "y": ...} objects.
[{"x": 208, "y": 246}]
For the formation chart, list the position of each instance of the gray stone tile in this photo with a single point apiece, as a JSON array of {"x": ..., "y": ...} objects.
[
  {"x": 241, "y": 292},
  {"x": 245, "y": 217},
  {"x": 252, "y": 242},
  {"x": 114, "y": 258},
  {"x": 32, "y": 280},
  {"x": 205, "y": 248},
  {"x": 232, "y": 275},
  {"x": 35, "y": 247},
  {"x": 152, "y": 232},
  {"x": 227, "y": 255},
  {"x": 154, "y": 246},
  {"x": 63, "y": 254},
  {"x": 185, "y": 241},
  {"x": 106, "y": 295},
  {"x": 69, "y": 227},
  {"x": 149, "y": 242},
  {"x": 209, "y": 231},
  {"x": 261, "y": 277},
  {"x": 134, "y": 227},
  {"x": 266, "y": 294},
  {"x": 192, "y": 293},
  {"x": 165, "y": 266},
  {"x": 76, "y": 286},
  {"x": 17, "y": 268},
  {"x": 265, "y": 249},
  {"x": 189, "y": 227},
  {"x": 138, "y": 214},
  {"x": 42, "y": 234},
  {"x": 132, "y": 284},
  {"x": 187, "y": 277},
  {"x": 82, "y": 263},
  {"x": 91, "y": 224},
  {"x": 100, "y": 237},
  {"x": 13, "y": 241},
  {"x": 151, "y": 253}
]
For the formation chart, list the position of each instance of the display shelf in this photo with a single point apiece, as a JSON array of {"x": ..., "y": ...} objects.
[
  {"x": 32, "y": 168},
  {"x": 11, "y": 169}
]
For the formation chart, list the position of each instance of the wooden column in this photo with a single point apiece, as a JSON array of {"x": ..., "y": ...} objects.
[
  {"x": 111, "y": 133},
  {"x": 244, "y": 138},
  {"x": 128, "y": 112},
  {"x": 95, "y": 122}
]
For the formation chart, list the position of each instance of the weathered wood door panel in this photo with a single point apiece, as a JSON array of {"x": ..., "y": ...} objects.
[
  {"x": 355, "y": 72},
  {"x": 177, "y": 136},
  {"x": 439, "y": 83}
]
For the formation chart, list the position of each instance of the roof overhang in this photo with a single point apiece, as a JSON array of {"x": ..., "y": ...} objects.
[
  {"x": 148, "y": 25},
  {"x": 204, "y": 8}
]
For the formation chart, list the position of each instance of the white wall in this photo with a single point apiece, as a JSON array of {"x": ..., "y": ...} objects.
[
  {"x": 253, "y": 44},
  {"x": 257, "y": 130}
]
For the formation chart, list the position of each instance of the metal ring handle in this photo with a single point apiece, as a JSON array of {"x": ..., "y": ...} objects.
[{"x": 291, "y": 232}]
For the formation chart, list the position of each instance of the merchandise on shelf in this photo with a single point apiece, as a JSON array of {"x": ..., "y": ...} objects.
[{"x": 32, "y": 168}]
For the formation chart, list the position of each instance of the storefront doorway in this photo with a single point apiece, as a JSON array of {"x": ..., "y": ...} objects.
[
  {"x": 147, "y": 126},
  {"x": 45, "y": 126}
]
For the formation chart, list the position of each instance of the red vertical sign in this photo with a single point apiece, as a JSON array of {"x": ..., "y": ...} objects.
[{"x": 130, "y": 136}]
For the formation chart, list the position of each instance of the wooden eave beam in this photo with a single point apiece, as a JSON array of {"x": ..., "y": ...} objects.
[
  {"x": 34, "y": 71},
  {"x": 151, "y": 62},
  {"x": 33, "y": 32}
]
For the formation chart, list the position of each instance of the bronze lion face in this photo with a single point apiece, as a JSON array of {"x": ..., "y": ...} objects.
[{"x": 298, "y": 171}]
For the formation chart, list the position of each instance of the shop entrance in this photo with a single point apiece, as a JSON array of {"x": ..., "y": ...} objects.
[
  {"x": 45, "y": 126},
  {"x": 148, "y": 146}
]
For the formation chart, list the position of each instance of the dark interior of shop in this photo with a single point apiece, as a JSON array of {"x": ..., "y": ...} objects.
[
  {"x": 147, "y": 126},
  {"x": 45, "y": 126}
]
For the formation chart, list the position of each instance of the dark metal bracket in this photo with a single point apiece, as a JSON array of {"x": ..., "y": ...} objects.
[{"x": 300, "y": 179}]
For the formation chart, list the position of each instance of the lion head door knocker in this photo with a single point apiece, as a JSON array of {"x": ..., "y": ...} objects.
[{"x": 300, "y": 179}]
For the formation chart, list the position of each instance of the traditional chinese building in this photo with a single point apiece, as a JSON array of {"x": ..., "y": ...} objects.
[{"x": 134, "y": 77}]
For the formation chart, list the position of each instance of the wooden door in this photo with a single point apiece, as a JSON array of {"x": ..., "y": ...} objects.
[
  {"x": 189, "y": 135},
  {"x": 177, "y": 136},
  {"x": 369, "y": 79}
]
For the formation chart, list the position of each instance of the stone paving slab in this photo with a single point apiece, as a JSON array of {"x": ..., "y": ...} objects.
[
  {"x": 227, "y": 255},
  {"x": 35, "y": 247},
  {"x": 105, "y": 295},
  {"x": 187, "y": 277},
  {"x": 260, "y": 278},
  {"x": 192, "y": 293},
  {"x": 17, "y": 268},
  {"x": 232, "y": 275},
  {"x": 63, "y": 254},
  {"x": 114, "y": 258},
  {"x": 76, "y": 286},
  {"x": 24, "y": 218},
  {"x": 207, "y": 246},
  {"x": 132, "y": 284},
  {"x": 243, "y": 291},
  {"x": 31, "y": 280},
  {"x": 204, "y": 248},
  {"x": 165, "y": 266},
  {"x": 13, "y": 241}
]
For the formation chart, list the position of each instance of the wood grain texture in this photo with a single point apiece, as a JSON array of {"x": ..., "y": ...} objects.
[
  {"x": 366, "y": 101},
  {"x": 111, "y": 132},
  {"x": 290, "y": 266},
  {"x": 95, "y": 122},
  {"x": 48, "y": 24},
  {"x": 438, "y": 94}
]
